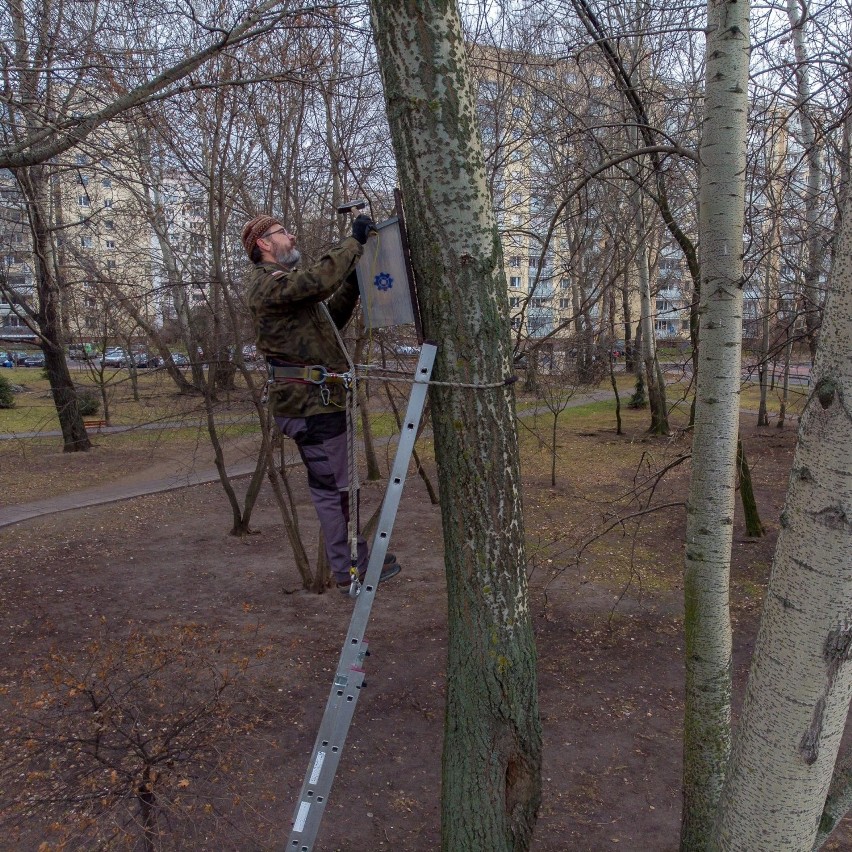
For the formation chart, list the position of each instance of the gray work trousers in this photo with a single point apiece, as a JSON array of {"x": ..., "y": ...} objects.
[{"x": 322, "y": 443}]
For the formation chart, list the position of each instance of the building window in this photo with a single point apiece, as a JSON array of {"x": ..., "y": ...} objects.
[
  {"x": 110, "y": 244},
  {"x": 86, "y": 242},
  {"x": 515, "y": 282},
  {"x": 565, "y": 304},
  {"x": 109, "y": 225},
  {"x": 515, "y": 301},
  {"x": 107, "y": 202},
  {"x": 110, "y": 264},
  {"x": 515, "y": 260},
  {"x": 106, "y": 183},
  {"x": 84, "y": 179},
  {"x": 83, "y": 201}
]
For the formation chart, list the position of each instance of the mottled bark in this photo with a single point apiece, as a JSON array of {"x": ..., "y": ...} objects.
[
  {"x": 710, "y": 509},
  {"x": 800, "y": 681},
  {"x": 492, "y": 748}
]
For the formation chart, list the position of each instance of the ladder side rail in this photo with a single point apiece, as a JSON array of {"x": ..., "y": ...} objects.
[{"x": 349, "y": 675}]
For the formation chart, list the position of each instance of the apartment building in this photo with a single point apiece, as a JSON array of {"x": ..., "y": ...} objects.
[
  {"x": 538, "y": 120},
  {"x": 16, "y": 271},
  {"x": 109, "y": 256}
]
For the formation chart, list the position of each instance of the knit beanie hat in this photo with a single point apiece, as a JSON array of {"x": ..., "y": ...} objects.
[{"x": 255, "y": 229}]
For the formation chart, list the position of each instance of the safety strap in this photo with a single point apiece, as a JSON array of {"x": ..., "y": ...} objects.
[{"x": 314, "y": 374}]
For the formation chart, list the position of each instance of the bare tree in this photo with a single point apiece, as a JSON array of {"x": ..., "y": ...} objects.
[
  {"x": 491, "y": 792},
  {"x": 797, "y": 699},
  {"x": 710, "y": 509}
]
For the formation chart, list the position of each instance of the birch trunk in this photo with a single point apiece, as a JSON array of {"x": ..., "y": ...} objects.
[
  {"x": 710, "y": 510},
  {"x": 491, "y": 786},
  {"x": 800, "y": 681},
  {"x": 797, "y": 14},
  {"x": 653, "y": 375},
  {"x": 648, "y": 351},
  {"x": 763, "y": 366},
  {"x": 785, "y": 387}
]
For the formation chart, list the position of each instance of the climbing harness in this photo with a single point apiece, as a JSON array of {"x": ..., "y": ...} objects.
[
  {"x": 314, "y": 374},
  {"x": 349, "y": 676}
]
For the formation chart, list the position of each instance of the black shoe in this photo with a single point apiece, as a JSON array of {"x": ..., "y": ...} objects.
[{"x": 388, "y": 570}]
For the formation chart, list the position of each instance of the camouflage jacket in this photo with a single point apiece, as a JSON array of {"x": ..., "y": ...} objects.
[{"x": 291, "y": 326}]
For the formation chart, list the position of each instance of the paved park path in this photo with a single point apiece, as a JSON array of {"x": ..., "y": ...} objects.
[{"x": 116, "y": 491}]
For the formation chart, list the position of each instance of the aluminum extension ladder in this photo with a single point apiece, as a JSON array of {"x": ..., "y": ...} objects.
[{"x": 349, "y": 677}]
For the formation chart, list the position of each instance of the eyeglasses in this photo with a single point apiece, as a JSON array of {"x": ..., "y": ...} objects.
[{"x": 273, "y": 233}]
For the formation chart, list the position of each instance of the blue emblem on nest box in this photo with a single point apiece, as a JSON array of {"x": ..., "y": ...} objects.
[{"x": 383, "y": 281}]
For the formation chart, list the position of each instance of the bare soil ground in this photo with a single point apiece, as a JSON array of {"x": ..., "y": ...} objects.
[{"x": 141, "y": 634}]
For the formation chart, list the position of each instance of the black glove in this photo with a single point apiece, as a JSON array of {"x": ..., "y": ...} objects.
[{"x": 362, "y": 226}]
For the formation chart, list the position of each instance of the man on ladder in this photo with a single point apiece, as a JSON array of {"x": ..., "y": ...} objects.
[{"x": 310, "y": 372}]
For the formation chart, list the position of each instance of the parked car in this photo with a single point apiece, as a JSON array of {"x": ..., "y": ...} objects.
[
  {"x": 34, "y": 360},
  {"x": 144, "y": 361},
  {"x": 6, "y": 360},
  {"x": 18, "y": 358},
  {"x": 115, "y": 357},
  {"x": 179, "y": 359},
  {"x": 249, "y": 352}
]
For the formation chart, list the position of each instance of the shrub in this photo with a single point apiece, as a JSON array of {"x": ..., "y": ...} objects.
[
  {"x": 88, "y": 403},
  {"x": 639, "y": 399},
  {"x": 7, "y": 395}
]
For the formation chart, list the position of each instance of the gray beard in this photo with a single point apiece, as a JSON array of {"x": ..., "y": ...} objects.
[{"x": 289, "y": 259}]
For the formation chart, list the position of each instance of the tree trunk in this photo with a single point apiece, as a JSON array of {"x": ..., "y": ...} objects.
[
  {"x": 612, "y": 380},
  {"x": 785, "y": 381},
  {"x": 763, "y": 366},
  {"x": 656, "y": 388},
  {"x": 648, "y": 352},
  {"x": 491, "y": 786},
  {"x": 800, "y": 682},
  {"x": 374, "y": 472},
  {"x": 628, "y": 325},
  {"x": 754, "y": 526},
  {"x": 33, "y": 184},
  {"x": 797, "y": 15},
  {"x": 710, "y": 510}
]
